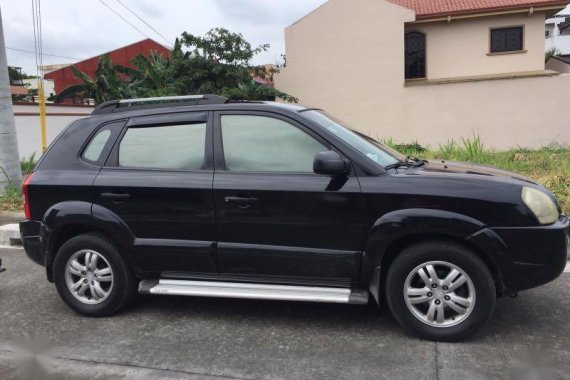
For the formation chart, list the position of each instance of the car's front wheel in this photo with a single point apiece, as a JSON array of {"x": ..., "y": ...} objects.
[
  {"x": 440, "y": 291},
  {"x": 92, "y": 277}
]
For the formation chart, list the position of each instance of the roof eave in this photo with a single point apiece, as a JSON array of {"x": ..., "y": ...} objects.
[{"x": 443, "y": 16}]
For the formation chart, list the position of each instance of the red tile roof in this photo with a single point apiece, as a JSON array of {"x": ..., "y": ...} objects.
[{"x": 426, "y": 9}]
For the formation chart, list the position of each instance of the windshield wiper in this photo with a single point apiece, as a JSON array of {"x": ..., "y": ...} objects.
[{"x": 410, "y": 161}]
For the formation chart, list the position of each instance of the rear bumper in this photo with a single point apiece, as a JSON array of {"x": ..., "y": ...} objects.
[
  {"x": 539, "y": 254},
  {"x": 31, "y": 234}
]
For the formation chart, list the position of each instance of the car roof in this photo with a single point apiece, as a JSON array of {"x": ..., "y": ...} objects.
[{"x": 238, "y": 105}]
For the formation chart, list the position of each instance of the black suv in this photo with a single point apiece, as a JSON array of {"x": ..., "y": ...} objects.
[{"x": 200, "y": 196}]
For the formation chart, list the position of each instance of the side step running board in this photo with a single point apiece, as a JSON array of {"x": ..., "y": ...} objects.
[{"x": 252, "y": 291}]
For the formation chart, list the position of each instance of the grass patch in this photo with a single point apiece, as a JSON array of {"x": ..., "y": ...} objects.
[
  {"x": 550, "y": 165},
  {"x": 13, "y": 199}
]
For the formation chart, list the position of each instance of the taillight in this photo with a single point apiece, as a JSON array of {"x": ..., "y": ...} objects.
[{"x": 27, "y": 197}]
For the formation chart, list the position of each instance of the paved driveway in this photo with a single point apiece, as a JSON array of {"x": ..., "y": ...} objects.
[{"x": 174, "y": 337}]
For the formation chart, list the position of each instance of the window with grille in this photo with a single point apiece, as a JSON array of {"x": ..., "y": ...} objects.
[
  {"x": 506, "y": 39},
  {"x": 415, "y": 55}
]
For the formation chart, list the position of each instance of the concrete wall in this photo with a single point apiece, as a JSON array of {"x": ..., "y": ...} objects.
[
  {"x": 461, "y": 48},
  {"x": 348, "y": 57},
  {"x": 28, "y": 124},
  {"x": 525, "y": 112},
  {"x": 558, "y": 65}
]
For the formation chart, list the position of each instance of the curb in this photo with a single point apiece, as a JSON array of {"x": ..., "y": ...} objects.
[{"x": 10, "y": 235}]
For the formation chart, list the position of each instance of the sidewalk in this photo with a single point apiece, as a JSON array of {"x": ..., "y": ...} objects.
[{"x": 9, "y": 230}]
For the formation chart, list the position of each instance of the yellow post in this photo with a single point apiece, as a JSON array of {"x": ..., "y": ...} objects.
[{"x": 42, "y": 113}]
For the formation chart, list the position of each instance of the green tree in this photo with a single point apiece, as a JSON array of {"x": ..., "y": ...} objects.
[
  {"x": 107, "y": 84},
  {"x": 151, "y": 76},
  {"x": 552, "y": 52},
  {"x": 220, "y": 63},
  {"x": 16, "y": 76}
]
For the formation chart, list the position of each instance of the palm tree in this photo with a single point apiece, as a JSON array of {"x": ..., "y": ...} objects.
[
  {"x": 106, "y": 85},
  {"x": 151, "y": 76}
]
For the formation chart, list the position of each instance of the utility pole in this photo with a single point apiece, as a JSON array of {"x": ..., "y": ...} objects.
[{"x": 9, "y": 154}]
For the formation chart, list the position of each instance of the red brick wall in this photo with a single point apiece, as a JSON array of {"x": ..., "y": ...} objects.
[{"x": 64, "y": 78}]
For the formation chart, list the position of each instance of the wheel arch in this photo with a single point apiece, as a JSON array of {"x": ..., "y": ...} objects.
[
  {"x": 66, "y": 220},
  {"x": 399, "y": 230}
]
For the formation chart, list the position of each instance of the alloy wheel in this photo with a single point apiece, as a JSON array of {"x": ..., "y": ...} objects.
[
  {"x": 439, "y": 294},
  {"x": 89, "y": 277}
]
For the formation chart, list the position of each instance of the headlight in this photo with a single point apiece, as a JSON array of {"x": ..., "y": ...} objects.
[{"x": 541, "y": 205}]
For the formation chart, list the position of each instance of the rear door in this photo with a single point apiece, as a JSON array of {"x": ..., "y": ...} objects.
[
  {"x": 158, "y": 180},
  {"x": 277, "y": 220}
]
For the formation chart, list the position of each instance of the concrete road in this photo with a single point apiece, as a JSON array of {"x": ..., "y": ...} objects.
[{"x": 193, "y": 338}]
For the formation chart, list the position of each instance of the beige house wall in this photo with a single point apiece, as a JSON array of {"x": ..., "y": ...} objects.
[
  {"x": 461, "y": 48},
  {"x": 348, "y": 49},
  {"x": 348, "y": 58}
]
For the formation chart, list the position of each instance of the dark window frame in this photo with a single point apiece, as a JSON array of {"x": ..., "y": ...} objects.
[
  {"x": 494, "y": 33},
  {"x": 219, "y": 157},
  {"x": 420, "y": 69}
]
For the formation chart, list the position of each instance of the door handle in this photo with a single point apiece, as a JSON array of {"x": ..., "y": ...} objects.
[
  {"x": 241, "y": 202},
  {"x": 115, "y": 196}
]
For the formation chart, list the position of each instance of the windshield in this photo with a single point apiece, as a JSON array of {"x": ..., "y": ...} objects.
[{"x": 374, "y": 150}]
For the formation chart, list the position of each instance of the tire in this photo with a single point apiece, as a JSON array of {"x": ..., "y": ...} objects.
[
  {"x": 112, "y": 292},
  {"x": 466, "y": 308}
]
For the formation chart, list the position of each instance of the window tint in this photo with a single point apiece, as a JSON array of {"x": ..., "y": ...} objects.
[
  {"x": 259, "y": 143},
  {"x": 177, "y": 147},
  {"x": 415, "y": 55},
  {"x": 96, "y": 145},
  {"x": 506, "y": 39}
]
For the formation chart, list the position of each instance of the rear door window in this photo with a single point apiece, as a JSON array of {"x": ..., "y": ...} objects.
[{"x": 170, "y": 147}]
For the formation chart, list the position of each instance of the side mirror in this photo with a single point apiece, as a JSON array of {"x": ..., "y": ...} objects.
[{"x": 330, "y": 163}]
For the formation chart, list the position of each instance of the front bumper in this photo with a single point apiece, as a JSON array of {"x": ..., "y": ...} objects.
[
  {"x": 539, "y": 254},
  {"x": 31, "y": 234}
]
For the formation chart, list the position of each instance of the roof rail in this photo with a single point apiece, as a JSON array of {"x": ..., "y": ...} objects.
[{"x": 160, "y": 102}]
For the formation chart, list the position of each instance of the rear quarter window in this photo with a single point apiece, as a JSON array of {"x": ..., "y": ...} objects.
[{"x": 98, "y": 148}]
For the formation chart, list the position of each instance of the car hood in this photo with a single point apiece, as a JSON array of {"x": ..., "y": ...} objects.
[{"x": 438, "y": 167}]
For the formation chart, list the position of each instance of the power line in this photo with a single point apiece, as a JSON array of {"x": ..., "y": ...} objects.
[
  {"x": 124, "y": 19},
  {"x": 146, "y": 23},
  {"x": 37, "y": 36},
  {"x": 45, "y": 54}
]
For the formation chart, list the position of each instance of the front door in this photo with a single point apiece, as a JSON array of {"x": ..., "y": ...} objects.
[
  {"x": 277, "y": 220},
  {"x": 158, "y": 180}
]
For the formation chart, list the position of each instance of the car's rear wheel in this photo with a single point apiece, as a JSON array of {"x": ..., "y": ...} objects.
[
  {"x": 92, "y": 277},
  {"x": 440, "y": 291}
]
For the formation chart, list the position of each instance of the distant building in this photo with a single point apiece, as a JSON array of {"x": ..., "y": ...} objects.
[
  {"x": 557, "y": 33},
  {"x": 32, "y": 86},
  {"x": 63, "y": 76},
  {"x": 431, "y": 70}
]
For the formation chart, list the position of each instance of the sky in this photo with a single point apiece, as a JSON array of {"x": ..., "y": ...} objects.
[{"x": 81, "y": 29}]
